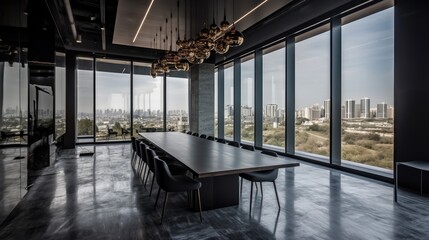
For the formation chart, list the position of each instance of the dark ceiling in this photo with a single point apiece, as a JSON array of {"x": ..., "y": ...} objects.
[{"x": 121, "y": 20}]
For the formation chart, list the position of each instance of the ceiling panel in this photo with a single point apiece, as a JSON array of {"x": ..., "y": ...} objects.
[{"x": 131, "y": 12}]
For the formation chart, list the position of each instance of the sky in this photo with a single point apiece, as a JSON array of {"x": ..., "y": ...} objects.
[{"x": 367, "y": 71}]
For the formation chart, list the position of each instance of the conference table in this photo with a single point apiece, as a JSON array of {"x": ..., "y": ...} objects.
[{"x": 216, "y": 165}]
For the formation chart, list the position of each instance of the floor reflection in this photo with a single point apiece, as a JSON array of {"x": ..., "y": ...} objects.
[{"x": 100, "y": 197}]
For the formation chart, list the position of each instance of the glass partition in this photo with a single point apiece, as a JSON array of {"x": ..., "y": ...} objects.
[
  {"x": 112, "y": 100},
  {"x": 148, "y": 114}
]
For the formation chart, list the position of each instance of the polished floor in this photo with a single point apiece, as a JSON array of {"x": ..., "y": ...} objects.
[{"x": 101, "y": 198}]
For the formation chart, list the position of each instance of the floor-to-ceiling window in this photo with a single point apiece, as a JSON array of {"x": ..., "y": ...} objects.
[
  {"x": 148, "y": 114},
  {"x": 85, "y": 100},
  {"x": 216, "y": 123},
  {"x": 112, "y": 100},
  {"x": 247, "y": 82},
  {"x": 273, "y": 102},
  {"x": 229, "y": 101},
  {"x": 60, "y": 94},
  {"x": 177, "y": 102},
  {"x": 312, "y": 84},
  {"x": 367, "y": 88}
]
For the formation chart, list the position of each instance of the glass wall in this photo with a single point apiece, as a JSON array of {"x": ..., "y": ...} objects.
[
  {"x": 85, "y": 100},
  {"x": 247, "y": 98},
  {"x": 273, "y": 102},
  {"x": 148, "y": 114},
  {"x": 367, "y": 88},
  {"x": 229, "y": 101},
  {"x": 60, "y": 94},
  {"x": 312, "y": 84},
  {"x": 216, "y": 103},
  {"x": 177, "y": 104},
  {"x": 112, "y": 100}
]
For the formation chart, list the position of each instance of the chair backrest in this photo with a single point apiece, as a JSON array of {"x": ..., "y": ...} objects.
[
  {"x": 210, "y": 138},
  {"x": 138, "y": 141},
  {"x": 151, "y": 159},
  {"x": 235, "y": 144},
  {"x": 133, "y": 143},
  {"x": 189, "y": 132},
  {"x": 248, "y": 147},
  {"x": 221, "y": 140},
  {"x": 143, "y": 151},
  {"x": 271, "y": 153},
  {"x": 203, "y": 136},
  {"x": 195, "y": 134},
  {"x": 162, "y": 173}
]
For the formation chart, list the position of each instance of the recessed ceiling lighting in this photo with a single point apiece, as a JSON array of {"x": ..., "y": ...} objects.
[{"x": 144, "y": 18}]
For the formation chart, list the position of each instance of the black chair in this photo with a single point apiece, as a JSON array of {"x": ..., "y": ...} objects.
[
  {"x": 124, "y": 132},
  {"x": 170, "y": 183},
  {"x": 221, "y": 140},
  {"x": 203, "y": 136},
  {"x": 195, "y": 134},
  {"x": 189, "y": 132},
  {"x": 235, "y": 144},
  {"x": 261, "y": 176},
  {"x": 133, "y": 145},
  {"x": 211, "y": 138},
  {"x": 110, "y": 132},
  {"x": 174, "y": 169},
  {"x": 248, "y": 147}
]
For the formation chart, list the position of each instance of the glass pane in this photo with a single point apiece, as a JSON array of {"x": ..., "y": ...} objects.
[
  {"x": 147, "y": 100},
  {"x": 312, "y": 84},
  {"x": 216, "y": 103},
  {"x": 367, "y": 90},
  {"x": 273, "y": 133},
  {"x": 247, "y": 99},
  {"x": 60, "y": 94},
  {"x": 177, "y": 104},
  {"x": 112, "y": 120},
  {"x": 229, "y": 101},
  {"x": 85, "y": 100}
]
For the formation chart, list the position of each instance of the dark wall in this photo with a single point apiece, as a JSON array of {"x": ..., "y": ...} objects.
[
  {"x": 411, "y": 80},
  {"x": 411, "y": 87},
  {"x": 41, "y": 88}
]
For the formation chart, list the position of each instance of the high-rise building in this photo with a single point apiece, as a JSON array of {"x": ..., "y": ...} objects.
[
  {"x": 271, "y": 110},
  {"x": 327, "y": 107},
  {"x": 349, "y": 111},
  {"x": 365, "y": 108},
  {"x": 381, "y": 110}
]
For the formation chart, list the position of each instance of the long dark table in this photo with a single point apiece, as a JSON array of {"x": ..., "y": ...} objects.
[{"x": 216, "y": 165}]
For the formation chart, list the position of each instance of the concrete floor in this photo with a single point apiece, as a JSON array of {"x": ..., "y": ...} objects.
[{"x": 100, "y": 197}]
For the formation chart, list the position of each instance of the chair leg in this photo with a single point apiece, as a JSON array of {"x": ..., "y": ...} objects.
[
  {"x": 147, "y": 176},
  {"x": 144, "y": 172},
  {"x": 241, "y": 186},
  {"x": 151, "y": 186},
  {"x": 262, "y": 192},
  {"x": 277, "y": 196},
  {"x": 199, "y": 204},
  {"x": 163, "y": 208},
  {"x": 256, "y": 185},
  {"x": 251, "y": 196},
  {"x": 157, "y": 197}
]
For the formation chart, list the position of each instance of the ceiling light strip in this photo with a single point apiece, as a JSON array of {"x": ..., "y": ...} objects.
[
  {"x": 245, "y": 15},
  {"x": 144, "y": 18}
]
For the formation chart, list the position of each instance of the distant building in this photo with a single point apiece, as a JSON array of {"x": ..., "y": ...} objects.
[
  {"x": 271, "y": 110},
  {"x": 349, "y": 111},
  {"x": 365, "y": 108},
  {"x": 381, "y": 110},
  {"x": 327, "y": 109}
]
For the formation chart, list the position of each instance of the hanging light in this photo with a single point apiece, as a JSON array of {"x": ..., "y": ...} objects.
[
  {"x": 221, "y": 46},
  {"x": 234, "y": 38}
]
